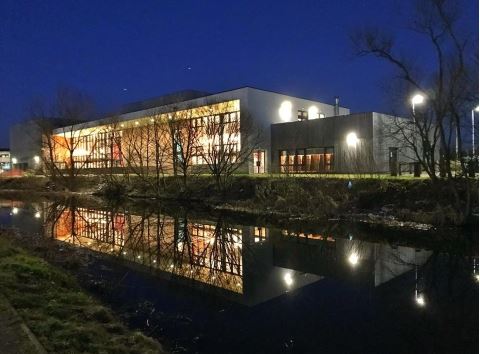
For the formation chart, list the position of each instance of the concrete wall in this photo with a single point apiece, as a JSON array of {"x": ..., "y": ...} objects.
[
  {"x": 386, "y": 136},
  {"x": 25, "y": 144}
]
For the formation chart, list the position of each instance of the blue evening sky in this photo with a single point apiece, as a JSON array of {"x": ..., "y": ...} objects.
[{"x": 122, "y": 51}]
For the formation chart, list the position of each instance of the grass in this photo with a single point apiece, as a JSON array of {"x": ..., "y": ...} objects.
[{"x": 64, "y": 318}]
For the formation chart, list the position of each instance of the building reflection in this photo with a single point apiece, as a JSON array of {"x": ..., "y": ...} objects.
[
  {"x": 206, "y": 253},
  {"x": 248, "y": 264}
]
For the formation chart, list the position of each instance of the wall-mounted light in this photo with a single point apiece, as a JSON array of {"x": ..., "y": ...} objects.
[
  {"x": 353, "y": 259},
  {"x": 420, "y": 300},
  {"x": 14, "y": 160},
  {"x": 285, "y": 111},
  {"x": 313, "y": 112},
  {"x": 287, "y": 278},
  {"x": 36, "y": 159},
  {"x": 37, "y": 215},
  {"x": 352, "y": 139},
  {"x": 14, "y": 210}
]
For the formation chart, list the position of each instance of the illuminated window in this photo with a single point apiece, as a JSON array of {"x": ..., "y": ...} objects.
[
  {"x": 312, "y": 160},
  {"x": 302, "y": 114}
]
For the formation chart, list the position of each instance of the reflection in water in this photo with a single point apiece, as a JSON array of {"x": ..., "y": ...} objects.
[
  {"x": 210, "y": 254},
  {"x": 254, "y": 262},
  {"x": 335, "y": 280}
]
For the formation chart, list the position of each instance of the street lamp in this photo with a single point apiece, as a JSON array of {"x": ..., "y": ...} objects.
[
  {"x": 476, "y": 109},
  {"x": 416, "y": 99}
]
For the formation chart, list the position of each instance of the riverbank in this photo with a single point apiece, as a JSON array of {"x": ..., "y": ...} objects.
[
  {"x": 63, "y": 317},
  {"x": 394, "y": 203}
]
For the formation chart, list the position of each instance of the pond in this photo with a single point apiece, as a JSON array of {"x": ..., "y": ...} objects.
[{"x": 211, "y": 283}]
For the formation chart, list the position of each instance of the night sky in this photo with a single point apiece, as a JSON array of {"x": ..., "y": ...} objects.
[{"x": 123, "y": 51}]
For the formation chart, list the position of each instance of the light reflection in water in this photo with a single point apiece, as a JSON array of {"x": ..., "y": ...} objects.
[{"x": 215, "y": 253}]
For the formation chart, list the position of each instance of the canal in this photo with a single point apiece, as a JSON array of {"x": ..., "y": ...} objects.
[{"x": 205, "y": 282}]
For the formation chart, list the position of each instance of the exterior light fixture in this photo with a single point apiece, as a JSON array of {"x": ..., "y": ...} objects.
[
  {"x": 352, "y": 139},
  {"x": 476, "y": 109},
  {"x": 136, "y": 123},
  {"x": 122, "y": 125},
  {"x": 37, "y": 215},
  {"x": 14, "y": 160},
  {"x": 313, "y": 112},
  {"x": 353, "y": 259},
  {"x": 416, "y": 99},
  {"x": 285, "y": 111},
  {"x": 36, "y": 159},
  {"x": 287, "y": 278},
  {"x": 14, "y": 210},
  {"x": 420, "y": 300}
]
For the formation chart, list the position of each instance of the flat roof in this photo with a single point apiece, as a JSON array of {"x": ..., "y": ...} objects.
[{"x": 190, "y": 95}]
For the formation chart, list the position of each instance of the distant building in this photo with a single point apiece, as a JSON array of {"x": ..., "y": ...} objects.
[
  {"x": 26, "y": 147},
  {"x": 4, "y": 159}
]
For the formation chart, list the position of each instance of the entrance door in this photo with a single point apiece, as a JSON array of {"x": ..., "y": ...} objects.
[
  {"x": 393, "y": 160},
  {"x": 259, "y": 161}
]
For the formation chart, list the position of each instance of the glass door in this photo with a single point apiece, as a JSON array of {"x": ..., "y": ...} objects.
[{"x": 259, "y": 161}]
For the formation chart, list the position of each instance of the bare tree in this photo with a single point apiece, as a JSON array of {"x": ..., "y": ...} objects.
[
  {"x": 227, "y": 143},
  {"x": 449, "y": 87},
  {"x": 66, "y": 150},
  {"x": 184, "y": 136}
]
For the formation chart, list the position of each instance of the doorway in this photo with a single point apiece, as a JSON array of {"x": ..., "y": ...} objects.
[{"x": 259, "y": 161}]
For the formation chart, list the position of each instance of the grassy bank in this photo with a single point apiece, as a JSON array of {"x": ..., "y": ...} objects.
[
  {"x": 313, "y": 198},
  {"x": 63, "y": 317},
  {"x": 412, "y": 200}
]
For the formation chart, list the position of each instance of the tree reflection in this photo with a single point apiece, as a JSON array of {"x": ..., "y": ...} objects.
[{"x": 206, "y": 252}]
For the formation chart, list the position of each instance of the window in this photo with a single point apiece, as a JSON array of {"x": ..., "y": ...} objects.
[
  {"x": 302, "y": 114},
  {"x": 311, "y": 160}
]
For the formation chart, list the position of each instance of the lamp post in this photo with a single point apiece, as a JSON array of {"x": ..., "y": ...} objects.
[
  {"x": 416, "y": 99},
  {"x": 476, "y": 109}
]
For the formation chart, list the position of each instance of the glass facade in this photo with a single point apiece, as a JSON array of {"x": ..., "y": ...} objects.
[
  {"x": 204, "y": 131},
  {"x": 311, "y": 160}
]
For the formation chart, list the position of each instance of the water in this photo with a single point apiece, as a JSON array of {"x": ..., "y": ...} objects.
[{"x": 212, "y": 283}]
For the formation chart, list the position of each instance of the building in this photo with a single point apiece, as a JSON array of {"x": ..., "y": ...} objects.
[
  {"x": 26, "y": 144},
  {"x": 354, "y": 143},
  {"x": 285, "y": 134},
  {"x": 4, "y": 160}
]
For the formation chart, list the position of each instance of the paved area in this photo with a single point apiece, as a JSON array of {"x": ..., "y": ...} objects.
[{"x": 15, "y": 336}]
